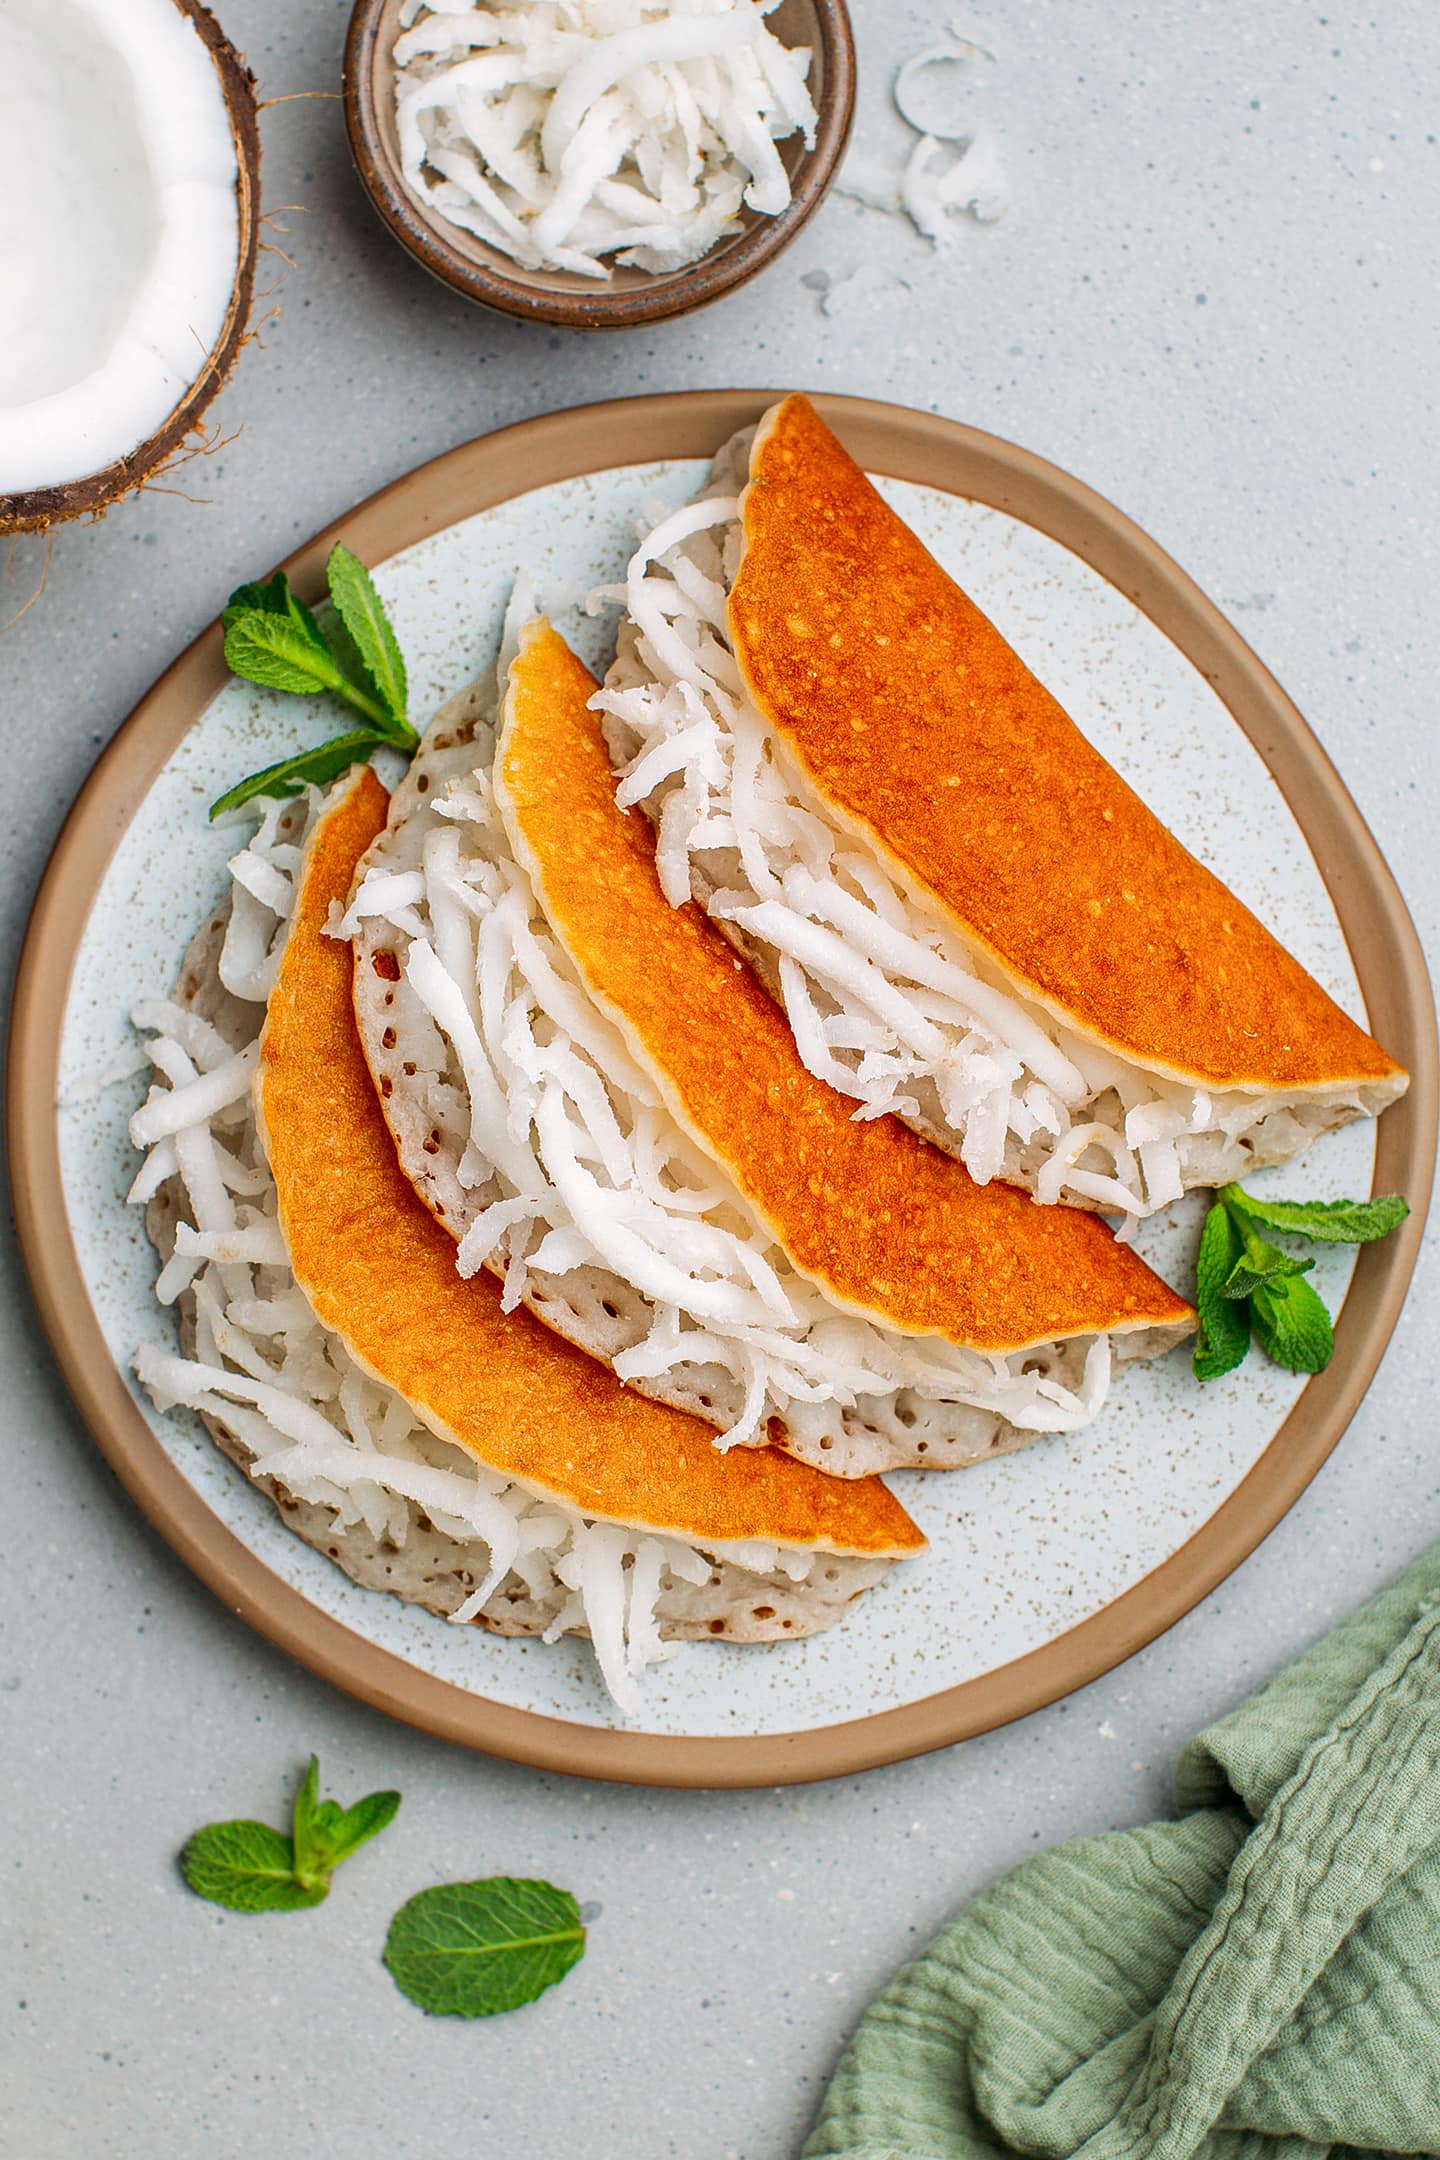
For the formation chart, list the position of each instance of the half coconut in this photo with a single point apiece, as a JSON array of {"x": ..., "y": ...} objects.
[{"x": 129, "y": 226}]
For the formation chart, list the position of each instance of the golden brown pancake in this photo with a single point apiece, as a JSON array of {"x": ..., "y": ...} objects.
[
  {"x": 922, "y": 731},
  {"x": 380, "y": 1272},
  {"x": 887, "y": 1225}
]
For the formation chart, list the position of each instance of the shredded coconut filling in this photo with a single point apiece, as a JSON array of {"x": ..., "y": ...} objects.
[
  {"x": 575, "y": 1163},
  {"x": 310, "y": 1417},
  {"x": 566, "y": 131},
  {"x": 887, "y": 1003}
]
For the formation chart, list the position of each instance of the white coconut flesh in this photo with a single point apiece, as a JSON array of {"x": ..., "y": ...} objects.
[{"x": 120, "y": 230}]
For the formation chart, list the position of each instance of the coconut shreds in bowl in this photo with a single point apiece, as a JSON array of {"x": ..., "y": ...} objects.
[{"x": 566, "y": 131}]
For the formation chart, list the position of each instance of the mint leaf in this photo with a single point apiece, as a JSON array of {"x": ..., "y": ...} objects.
[
  {"x": 1292, "y": 1324},
  {"x": 473, "y": 1949},
  {"x": 358, "y": 1824},
  {"x": 274, "y": 598},
  {"x": 280, "y": 653},
  {"x": 1328, "y": 1222},
  {"x": 325, "y": 1833},
  {"x": 288, "y": 652},
  {"x": 361, "y": 611},
  {"x": 1259, "y": 1263},
  {"x": 247, "y": 1867},
  {"x": 316, "y": 768},
  {"x": 1224, "y": 1335}
]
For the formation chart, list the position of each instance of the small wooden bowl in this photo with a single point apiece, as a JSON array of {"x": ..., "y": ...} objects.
[{"x": 628, "y": 297}]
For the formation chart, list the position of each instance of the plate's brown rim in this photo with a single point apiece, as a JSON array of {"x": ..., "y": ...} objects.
[
  {"x": 580, "y": 306},
  {"x": 1383, "y": 943}
]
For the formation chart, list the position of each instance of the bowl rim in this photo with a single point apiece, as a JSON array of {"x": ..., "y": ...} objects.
[{"x": 676, "y": 292}]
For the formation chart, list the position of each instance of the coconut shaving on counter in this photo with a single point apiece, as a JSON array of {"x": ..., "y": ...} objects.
[{"x": 567, "y": 131}]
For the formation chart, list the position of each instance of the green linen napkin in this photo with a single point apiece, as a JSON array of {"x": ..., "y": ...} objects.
[{"x": 1257, "y": 1981}]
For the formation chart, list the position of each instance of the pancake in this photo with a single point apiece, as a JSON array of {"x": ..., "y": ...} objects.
[
  {"x": 883, "y": 1222},
  {"x": 381, "y": 1275},
  {"x": 970, "y": 917},
  {"x": 875, "y": 667},
  {"x": 479, "y": 1032},
  {"x": 348, "y": 1462}
]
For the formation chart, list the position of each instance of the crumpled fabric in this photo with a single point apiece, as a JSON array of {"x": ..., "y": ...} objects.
[{"x": 1259, "y": 1980}]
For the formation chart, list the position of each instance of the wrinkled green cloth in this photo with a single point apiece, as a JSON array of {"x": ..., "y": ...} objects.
[{"x": 1257, "y": 1981}]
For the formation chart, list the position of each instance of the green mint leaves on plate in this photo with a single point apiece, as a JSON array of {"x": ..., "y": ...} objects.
[
  {"x": 472, "y": 1949},
  {"x": 1245, "y": 1286},
  {"x": 251, "y": 1868},
  {"x": 273, "y": 639}
]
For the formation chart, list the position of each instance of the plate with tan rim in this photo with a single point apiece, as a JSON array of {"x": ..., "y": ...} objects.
[{"x": 1046, "y": 1567}]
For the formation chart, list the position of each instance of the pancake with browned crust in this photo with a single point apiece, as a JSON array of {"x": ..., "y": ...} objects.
[
  {"x": 489, "y": 1054},
  {"x": 918, "y": 724},
  {"x": 883, "y": 1222},
  {"x": 381, "y": 1275},
  {"x": 514, "y": 1394},
  {"x": 969, "y": 916}
]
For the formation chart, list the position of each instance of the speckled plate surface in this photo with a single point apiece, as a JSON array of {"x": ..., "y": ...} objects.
[{"x": 1046, "y": 1566}]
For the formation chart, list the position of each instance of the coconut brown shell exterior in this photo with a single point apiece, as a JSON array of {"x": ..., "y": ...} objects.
[
  {"x": 38, "y": 508},
  {"x": 380, "y": 1272},
  {"x": 923, "y": 731},
  {"x": 887, "y": 1225}
]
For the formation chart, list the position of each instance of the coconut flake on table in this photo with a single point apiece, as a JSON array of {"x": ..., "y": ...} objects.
[
  {"x": 865, "y": 287},
  {"x": 567, "y": 131},
  {"x": 973, "y": 181},
  {"x": 926, "y": 85},
  {"x": 931, "y": 188}
]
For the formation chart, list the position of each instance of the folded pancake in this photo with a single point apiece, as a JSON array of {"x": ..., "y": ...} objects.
[
  {"x": 970, "y": 918},
  {"x": 430, "y": 1443},
  {"x": 886, "y": 1225},
  {"x": 549, "y": 1151}
]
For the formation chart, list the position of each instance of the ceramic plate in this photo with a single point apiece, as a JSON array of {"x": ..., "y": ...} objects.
[{"x": 1046, "y": 1566}]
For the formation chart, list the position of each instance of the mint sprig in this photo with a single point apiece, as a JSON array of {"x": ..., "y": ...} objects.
[
  {"x": 1245, "y": 1286},
  {"x": 325, "y": 1833},
  {"x": 274, "y": 639},
  {"x": 473, "y": 1949},
  {"x": 250, "y": 1867}
]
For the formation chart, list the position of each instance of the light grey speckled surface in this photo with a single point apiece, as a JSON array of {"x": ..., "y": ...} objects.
[{"x": 1214, "y": 300}]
